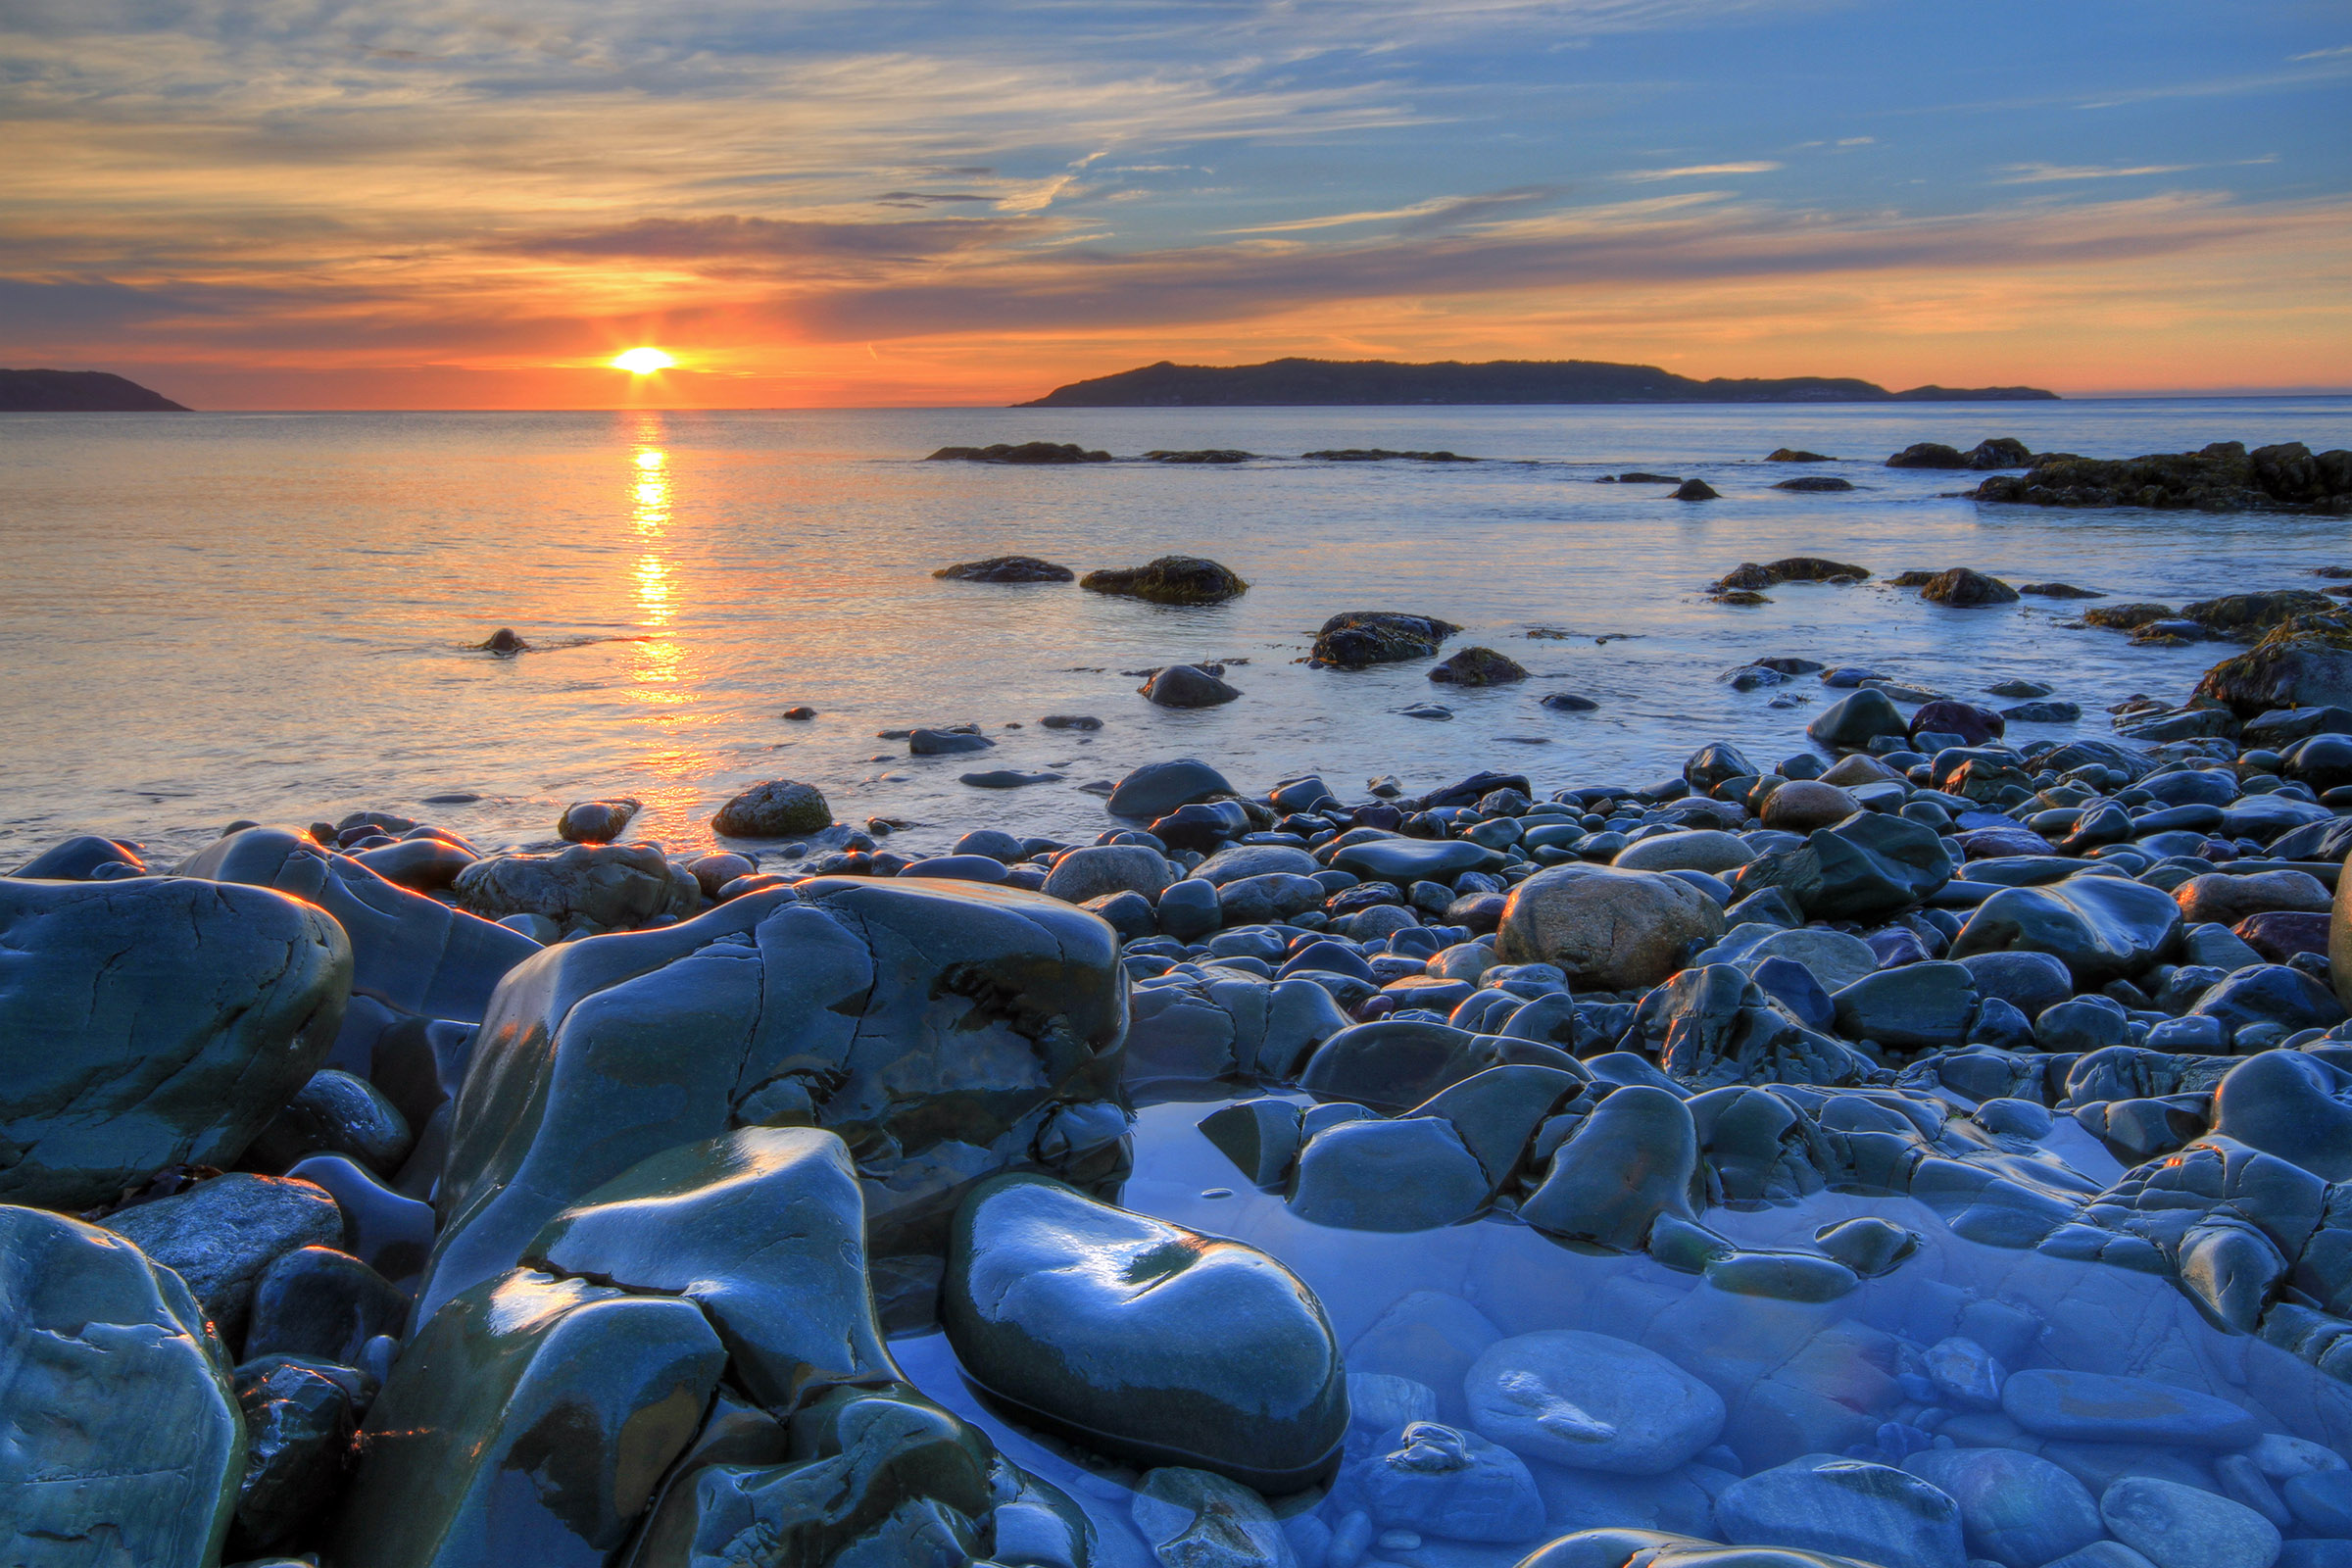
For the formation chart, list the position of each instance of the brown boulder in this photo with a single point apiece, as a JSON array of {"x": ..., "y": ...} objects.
[
  {"x": 2302, "y": 662},
  {"x": 1606, "y": 929},
  {"x": 2225, "y": 900},
  {"x": 1803, "y": 805},
  {"x": 2280, "y": 934}
]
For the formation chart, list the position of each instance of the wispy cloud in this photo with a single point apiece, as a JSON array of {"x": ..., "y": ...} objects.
[
  {"x": 2060, "y": 173},
  {"x": 1758, "y": 165}
]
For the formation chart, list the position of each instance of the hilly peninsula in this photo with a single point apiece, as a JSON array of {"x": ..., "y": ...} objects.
[
  {"x": 1355, "y": 382},
  {"x": 78, "y": 392}
]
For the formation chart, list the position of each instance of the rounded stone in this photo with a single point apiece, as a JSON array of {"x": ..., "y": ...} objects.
[
  {"x": 2175, "y": 1526},
  {"x": 2101, "y": 1407},
  {"x": 597, "y": 821},
  {"x": 1709, "y": 850},
  {"x": 1103, "y": 868},
  {"x": 1591, "y": 1403},
  {"x": 1850, "y": 1508},
  {"x": 1605, "y": 928},
  {"x": 775, "y": 810},
  {"x": 1144, "y": 1339},
  {"x": 2016, "y": 1509},
  {"x": 1803, "y": 805},
  {"x": 1373, "y": 1175}
]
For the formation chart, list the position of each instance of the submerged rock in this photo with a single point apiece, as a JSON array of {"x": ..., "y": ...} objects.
[
  {"x": 1186, "y": 686},
  {"x": 153, "y": 1022},
  {"x": 1964, "y": 589},
  {"x": 1006, "y": 569},
  {"x": 1591, "y": 1403},
  {"x": 1868, "y": 1512},
  {"x": 1479, "y": 666},
  {"x": 1020, "y": 452},
  {"x": 1169, "y": 580},
  {"x": 1357, "y": 638},
  {"x": 1141, "y": 1339}
]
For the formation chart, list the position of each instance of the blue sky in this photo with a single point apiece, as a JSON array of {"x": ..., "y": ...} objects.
[{"x": 318, "y": 203}]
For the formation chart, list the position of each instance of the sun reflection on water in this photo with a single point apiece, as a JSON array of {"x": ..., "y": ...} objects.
[{"x": 661, "y": 672}]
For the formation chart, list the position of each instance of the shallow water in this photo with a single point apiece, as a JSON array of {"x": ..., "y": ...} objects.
[
  {"x": 216, "y": 616},
  {"x": 2090, "y": 1317}
]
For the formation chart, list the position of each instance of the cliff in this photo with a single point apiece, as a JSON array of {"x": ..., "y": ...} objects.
[{"x": 78, "y": 392}]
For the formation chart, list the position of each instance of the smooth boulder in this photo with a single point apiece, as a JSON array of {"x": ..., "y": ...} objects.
[
  {"x": 1605, "y": 928},
  {"x": 1591, "y": 1403},
  {"x": 1143, "y": 1338},
  {"x": 150, "y": 1022}
]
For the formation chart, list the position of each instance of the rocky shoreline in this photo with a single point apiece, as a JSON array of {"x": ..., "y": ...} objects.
[{"x": 1920, "y": 1148}]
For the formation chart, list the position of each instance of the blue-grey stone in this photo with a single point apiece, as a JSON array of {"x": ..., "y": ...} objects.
[
  {"x": 2176, "y": 1526},
  {"x": 1590, "y": 1401},
  {"x": 1410, "y": 1175},
  {"x": 2015, "y": 1509},
  {"x": 1440, "y": 1481},
  {"x": 2102, "y": 1408},
  {"x": 1848, "y": 1507}
]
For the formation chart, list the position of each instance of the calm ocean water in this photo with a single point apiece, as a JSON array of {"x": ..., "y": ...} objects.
[{"x": 207, "y": 616}]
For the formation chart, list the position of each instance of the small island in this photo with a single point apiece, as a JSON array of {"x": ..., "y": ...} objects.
[
  {"x": 78, "y": 392},
  {"x": 1360, "y": 382}
]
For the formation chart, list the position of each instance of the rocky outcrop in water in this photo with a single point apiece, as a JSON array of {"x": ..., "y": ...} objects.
[{"x": 2221, "y": 477}]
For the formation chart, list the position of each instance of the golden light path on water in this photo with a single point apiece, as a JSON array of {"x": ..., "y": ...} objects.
[{"x": 661, "y": 672}]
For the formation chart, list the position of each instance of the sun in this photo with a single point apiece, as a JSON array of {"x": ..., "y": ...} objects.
[{"x": 642, "y": 361}]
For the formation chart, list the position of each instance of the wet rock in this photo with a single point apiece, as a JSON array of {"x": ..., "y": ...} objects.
[
  {"x": 1157, "y": 789},
  {"x": 1707, "y": 850},
  {"x": 2305, "y": 663},
  {"x": 116, "y": 1422},
  {"x": 1438, "y": 1480},
  {"x": 1591, "y": 1403},
  {"x": 1020, "y": 452},
  {"x": 597, "y": 821},
  {"x": 1626, "y": 1165},
  {"x": 421, "y": 865},
  {"x": 321, "y": 1304},
  {"x": 1169, "y": 580},
  {"x": 153, "y": 1022},
  {"x": 2176, "y": 1526},
  {"x": 2015, "y": 1509},
  {"x": 1196, "y": 1518},
  {"x": 2057, "y": 590},
  {"x": 1356, "y": 638},
  {"x": 1795, "y": 455},
  {"x": 1813, "y": 482},
  {"x": 220, "y": 1235},
  {"x": 1006, "y": 569},
  {"x": 1973, "y": 724},
  {"x": 1143, "y": 1338},
  {"x": 955, "y": 1029},
  {"x": 1479, "y": 666},
  {"x": 503, "y": 642},
  {"x": 1392, "y": 1064},
  {"x": 1963, "y": 589},
  {"x": 1919, "y": 1006},
  {"x": 2030, "y": 982},
  {"x": 615, "y": 886},
  {"x": 530, "y": 1419},
  {"x": 776, "y": 810},
  {"x": 945, "y": 743},
  {"x": 2102, "y": 928},
  {"x": 336, "y": 1113},
  {"x": 84, "y": 858},
  {"x": 1867, "y": 867},
  {"x": 2280, "y": 935},
  {"x": 1259, "y": 1135},
  {"x": 1098, "y": 869},
  {"x": 1848, "y": 1507},
  {"x": 2100, "y": 1407},
  {"x": 1410, "y": 1175},
  {"x": 763, "y": 1229},
  {"x": 1927, "y": 454},
  {"x": 1711, "y": 1025},
  {"x": 1186, "y": 686},
  {"x": 2223, "y": 899},
  {"x": 869, "y": 1475},
  {"x": 1404, "y": 861},
  {"x": 1851, "y": 723},
  {"x": 1715, "y": 764},
  {"x": 1605, "y": 928},
  {"x": 1696, "y": 490},
  {"x": 1196, "y": 1031},
  {"x": 299, "y": 1423},
  {"x": 2270, "y": 994}
]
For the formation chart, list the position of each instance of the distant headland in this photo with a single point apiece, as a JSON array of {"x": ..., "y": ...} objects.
[
  {"x": 1352, "y": 383},
  {"x": 78, "y": 392}
]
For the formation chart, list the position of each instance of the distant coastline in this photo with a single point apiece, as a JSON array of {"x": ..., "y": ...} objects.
[
  {"x": 1296, "y": 382},
  {"x": 78, "y": 392}
]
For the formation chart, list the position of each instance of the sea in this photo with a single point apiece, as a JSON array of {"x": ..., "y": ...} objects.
[{"x": 271, "y": 617}]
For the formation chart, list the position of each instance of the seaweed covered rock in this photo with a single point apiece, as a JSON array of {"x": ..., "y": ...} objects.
[
  {"x": 151, "y": 1022},
  {"x": 1356, "y": 638},
  {"x": 2305, "y": 662},
  {"x": 1143, "y": 1338},
  {"x": 1006, "y": 569},
  {"x": 1021, "y": 452},
  {"x": 1169, "y": 580},
  {"x": 946, "y": 1029},
  {"x": 1963, "y": 589},
  {"x": 1479, "y": 666},
  {"x": 774, "y": 810}
]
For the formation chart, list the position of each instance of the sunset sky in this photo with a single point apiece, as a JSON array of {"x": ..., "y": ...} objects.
[{"x": 401, "y": 204}]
